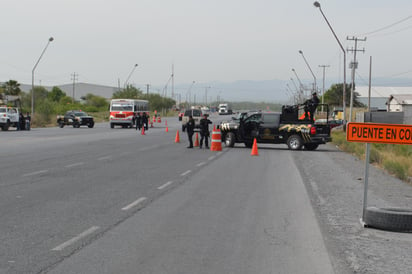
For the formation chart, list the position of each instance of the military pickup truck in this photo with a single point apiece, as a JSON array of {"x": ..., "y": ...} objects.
[
  {"x": 277, "y": 128},
  {"x": 75, "y": 118},
  {"x": 9, "y": 117}
]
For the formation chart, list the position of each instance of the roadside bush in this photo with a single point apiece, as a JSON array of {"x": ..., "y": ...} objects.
[
  {"x": 44, "y": 111},
  {"x": 397, "y": 168},
  {"x": 375, "y": 155},
  {"x": 90, "y": 109}
]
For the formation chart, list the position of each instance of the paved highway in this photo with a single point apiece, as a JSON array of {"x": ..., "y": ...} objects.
[{"x": 107, "y": 200}]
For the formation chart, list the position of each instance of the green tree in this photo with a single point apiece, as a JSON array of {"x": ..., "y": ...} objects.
[
  {"x": 11, "y": 87},
  {"x": 129, "y": 92},
  {"x": 96, "y": 101},
  {"x": 55, "y": 94},
  {"x": 334, "y": 96},
  {"x": 158, "y": 102}
]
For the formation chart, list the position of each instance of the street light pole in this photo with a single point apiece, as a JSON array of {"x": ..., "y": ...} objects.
[
  {"x": 300, "y": 83},
  {"x": 128, "y": 77},
  {"x": 295, "y": 87},
  {"x": 317, "y": 5},
  {"x": 314, "y": 78},
  {"x": 32, "y": 76},
  {"x": 189, "y": 92},
  {"x": 323, "y": 86},
  {"x": 206, "y": 95}
]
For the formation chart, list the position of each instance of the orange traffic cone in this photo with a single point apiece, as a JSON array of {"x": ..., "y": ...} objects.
[
  {"x": 254, "y": 148},
  {"x": 197, "y": 140},
  {"x": 216, "y": 141},
  {"x": 143, "y": 130},
  {"x": 159, "y": 120},
  {"x": 165, "y": 122},
  {"x": 167, "y": 129},
  {"x": 177, "y": 139}
]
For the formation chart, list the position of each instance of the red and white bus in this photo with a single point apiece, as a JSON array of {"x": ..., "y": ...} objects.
[{"x": 123, "y": 111}]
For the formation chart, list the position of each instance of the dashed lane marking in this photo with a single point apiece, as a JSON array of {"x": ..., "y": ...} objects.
[
  {"x": 74, "y": 165},
  {"x": 185, "y": 173},
  {"x": 35, "y": 173},
  {"x": 135, "y": 203},
  {"x": 200, "y": 164},
  {"x": 103, "y": 158},
  {"x": 165, "y": 185},
  {"x": 77, "y": 238}
]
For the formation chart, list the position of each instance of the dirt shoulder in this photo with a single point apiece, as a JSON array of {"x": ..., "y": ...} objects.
[{"x": 334, "y": 181}]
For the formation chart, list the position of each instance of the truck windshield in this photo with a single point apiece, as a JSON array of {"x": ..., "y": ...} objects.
[{"x": 122, "y": 107}]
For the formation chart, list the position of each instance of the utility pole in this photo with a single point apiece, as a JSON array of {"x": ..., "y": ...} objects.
[
  {"x": 173, "y": 81},
  {"x": 74, "y": 78},
  {"x": 354, "y": 65},
  {"x": 147, "y": 89},
  {"x": 323, "y": 86}
]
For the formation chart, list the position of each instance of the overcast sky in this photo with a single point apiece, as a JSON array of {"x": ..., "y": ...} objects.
[{"x": 213, "y": 40}]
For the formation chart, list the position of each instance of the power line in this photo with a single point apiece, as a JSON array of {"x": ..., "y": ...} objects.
[{"x": 388, "y": 26}]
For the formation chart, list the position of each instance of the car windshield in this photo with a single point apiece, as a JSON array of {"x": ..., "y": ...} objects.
[{"x": 78, "y": 114}]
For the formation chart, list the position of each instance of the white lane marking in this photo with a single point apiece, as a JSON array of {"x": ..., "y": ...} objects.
[
  {"x": 75, "y": 239},
  {"x": 200, "y": 164},
  {"x": 35, "y": 173},
  {"x": 76, "y": 164},
  {"x": 104, "y": 158},
  {"x": 220, "y": 152},
  {"x": 211, "y": 158},
  {"x": 165, "y": 185},
  {"x": 135, "y": 203},
  {"x": 185, "y": 173}
]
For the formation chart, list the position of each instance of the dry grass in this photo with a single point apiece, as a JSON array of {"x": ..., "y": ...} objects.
[{"x": 395, "y": 159}]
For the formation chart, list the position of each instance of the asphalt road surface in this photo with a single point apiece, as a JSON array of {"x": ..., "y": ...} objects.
[{"x": 107, "y": 200}]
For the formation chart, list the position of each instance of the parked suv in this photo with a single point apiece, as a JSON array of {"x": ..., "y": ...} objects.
[{"x": 195, "y": 113}]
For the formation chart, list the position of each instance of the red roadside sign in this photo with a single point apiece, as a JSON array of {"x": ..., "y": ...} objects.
[{"x": 379, "y": 133}]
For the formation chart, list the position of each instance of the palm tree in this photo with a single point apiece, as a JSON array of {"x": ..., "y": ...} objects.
[{"x": 11, "y": 87}]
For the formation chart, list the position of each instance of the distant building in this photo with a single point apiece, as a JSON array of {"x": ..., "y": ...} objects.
[
  {"x": 401, "y": 103},
  {"x": 395, "y": 101},
  {"x": 380, "y": 95}
]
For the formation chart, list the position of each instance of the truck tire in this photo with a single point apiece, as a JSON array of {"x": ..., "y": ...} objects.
[
  {"x": 230, "y": 139},
  {"x": 76, "y": 125},
  {"x": 91, "y": 125},
  {"x": 311, "y": 146},
  {"x": 61, "y": 124},
  {"x": 6, "y": 126},
  {"x": 392, "y": 219},
  {"x": 295, "y": 142},
  {"x": 111, "y": 125}
]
